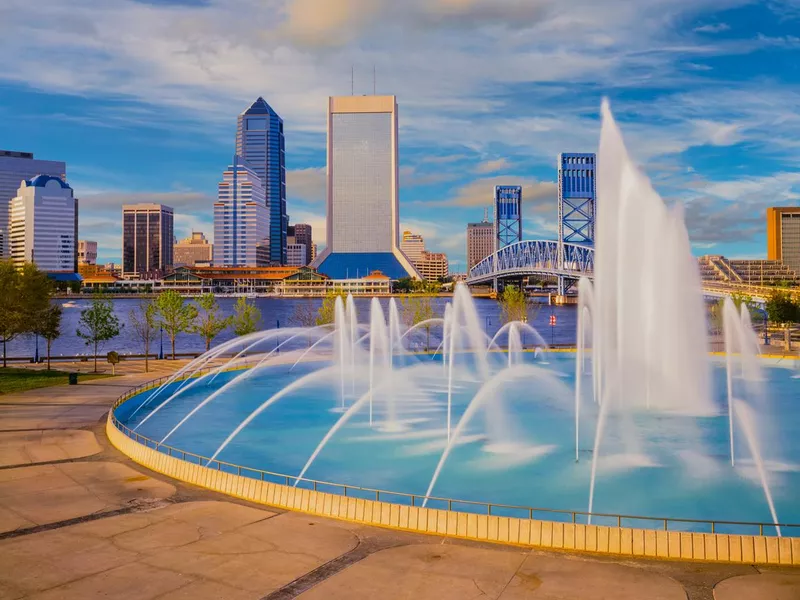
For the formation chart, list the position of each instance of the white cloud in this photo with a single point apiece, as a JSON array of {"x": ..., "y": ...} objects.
[
  {"x": 492, "y": 166},
  {"x": 540, "y": 195},
  {"x": 308, "y": 184},
  {"x": 712, "y": 28}
]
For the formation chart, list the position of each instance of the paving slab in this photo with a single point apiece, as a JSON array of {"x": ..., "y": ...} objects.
[
  {"x": 43, "y": 494},
  {"x": 31, "y": 447},
  {"x": 188, "y": 550},
  {"x": 568, "y": 577},
  {"x": 421, "y": 571},
  {"x": 770, "y": 586}
]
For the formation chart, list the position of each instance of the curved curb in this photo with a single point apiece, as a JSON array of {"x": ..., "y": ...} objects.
[{"x": 620, "y": 541}]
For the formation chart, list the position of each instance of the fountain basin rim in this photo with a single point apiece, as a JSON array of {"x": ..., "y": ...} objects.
[{"x": 117, "y": 431}]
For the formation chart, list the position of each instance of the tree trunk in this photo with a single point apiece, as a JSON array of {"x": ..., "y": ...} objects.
[
  {"x": 48, "y": 353},
  {"x": 146, "y": 356},
  {"x": 4, "y": 353},
  {"x": 208, "y": 344},
  {"x": 95, "y": 357},
  {"x": 173, "y": 346}
]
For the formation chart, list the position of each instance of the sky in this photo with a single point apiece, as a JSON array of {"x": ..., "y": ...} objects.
[{"x": 140, "y": 98}]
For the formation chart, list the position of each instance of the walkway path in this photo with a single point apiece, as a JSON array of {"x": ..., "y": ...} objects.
[{"x": 80, "y": 520}]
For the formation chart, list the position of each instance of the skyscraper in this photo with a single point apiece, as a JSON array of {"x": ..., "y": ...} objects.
[
  {"x": 480, "y": 242},
  {"x": 260, "y": 143},
  {"x": 147, "y": 236},
  {"x": 783, "y": 236},
  {"x": 43, "y": 225},
  {"x": 14, "y": 167},
  {"x": 241, "y": 222},
  {"x": 362, "y": 207},
  {"x": 507, "y": 215}
]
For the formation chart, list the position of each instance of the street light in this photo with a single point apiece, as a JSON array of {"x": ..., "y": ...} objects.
[{"x": 161, "y": 350}]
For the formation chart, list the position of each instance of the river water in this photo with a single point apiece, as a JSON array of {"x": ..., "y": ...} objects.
[{"x": 275, "y": 312}]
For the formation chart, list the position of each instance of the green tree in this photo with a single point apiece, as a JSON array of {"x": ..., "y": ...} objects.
[
  {"x": 246, "y": 317},
  {"x": 327, "y": 311},
  {"x": 416, "y": 309},
  {"x": 208, "y": 323},
  {"x": 513, "y": 304},
  {"x": 10, "y": 314},
  {"x": 49, "y": 326},
  {"x": 174, "y": 315},
  {"x": 144, "y": 322},
  {"x": 113, "y": 359},
  {"x": 98, "y": 324},
  {"x": 404, "y": 285},
  {"x": 24, "y": 298},
  {"x": 783, "y": 310}
]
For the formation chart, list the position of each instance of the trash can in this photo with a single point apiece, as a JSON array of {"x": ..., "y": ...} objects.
[{"x": 73, "y": 379}]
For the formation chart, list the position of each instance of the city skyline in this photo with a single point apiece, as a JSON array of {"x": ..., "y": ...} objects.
[{"x": 707, "y": 94}]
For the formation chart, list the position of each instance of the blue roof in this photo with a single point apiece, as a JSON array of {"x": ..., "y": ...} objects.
[
  {"x": 41, "y": 181},
  {"x": 65, "y": 277},
  {"x": 260, "y": 107},
  {"x": 353, "y": 265}
]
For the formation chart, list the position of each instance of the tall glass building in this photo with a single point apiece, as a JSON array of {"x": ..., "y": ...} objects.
[
  {"x": 362, "y": 209},
  {"x": 14, "y": 167},
  {"x": 260, "y": 143},
  {"x": 147, "y": 237},
  {"x": 241, "y": 222}
]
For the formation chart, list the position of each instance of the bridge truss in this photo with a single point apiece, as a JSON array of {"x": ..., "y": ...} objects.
[{"x": 566, "y": 262}]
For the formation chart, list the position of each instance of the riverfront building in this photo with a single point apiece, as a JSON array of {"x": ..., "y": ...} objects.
[
  {"x": 44, "y": 225},
  {"x": 362, "y": 199},
  {"x": 303, "y": 235},
  {"x": 241, "y": 220},
  {"x": 783, "y": 236},
  {"x": 480, "y": 242},
  {"x": 87, "y": 252},
  {"x": 147, "y": 238},
  {"x": 260, "y": 143},
  {"x": 15, "y": 167},
  {"x": 192, "y": 250}
]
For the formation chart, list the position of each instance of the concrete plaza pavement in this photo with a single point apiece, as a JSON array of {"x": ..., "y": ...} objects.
[{"x": 80, "y": 520}]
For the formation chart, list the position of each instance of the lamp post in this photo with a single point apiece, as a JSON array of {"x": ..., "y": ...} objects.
[
  {"x": 766, "y": 328},
  {"x": 161, "y": 349}
]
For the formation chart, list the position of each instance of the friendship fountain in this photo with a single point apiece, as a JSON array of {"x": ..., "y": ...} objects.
[{"x": 641, "y": 420}]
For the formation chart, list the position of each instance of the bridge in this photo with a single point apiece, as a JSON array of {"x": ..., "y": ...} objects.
[{"x": 570, "y": 262}]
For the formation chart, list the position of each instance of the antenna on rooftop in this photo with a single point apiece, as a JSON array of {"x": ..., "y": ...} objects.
[{"x": 485, "y": 214}]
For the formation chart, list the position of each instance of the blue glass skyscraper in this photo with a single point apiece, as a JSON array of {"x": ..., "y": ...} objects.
[{"x": 260, "y": 142}]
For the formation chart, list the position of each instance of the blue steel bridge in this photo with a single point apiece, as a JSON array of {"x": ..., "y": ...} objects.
[{"x": 566, "y": 261}]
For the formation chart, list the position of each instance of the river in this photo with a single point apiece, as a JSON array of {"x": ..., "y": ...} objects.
[{"x": 275, "y": 312}]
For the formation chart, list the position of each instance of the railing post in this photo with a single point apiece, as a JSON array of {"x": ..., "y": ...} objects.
[
  {"x": 287, "y": 480},
  {"x": 262, "y": 475},
  {"x": 315, "y": 485},
  {"x": 573, "y": 516},
  {"x": 377, "y": 496},
  {"x": 449, "y": 504},
  {"x": 238, "y": 470},
  {"x": 413, "y": 499},
  {"x": 619, "y": 521},
  {"x": 665, "y": 524},
  {"x": 760, "y": 529},
  {"x": 489, "y": 509},
  {"x": 345, "y": 491},
  {"x": 530, "y": 514}
]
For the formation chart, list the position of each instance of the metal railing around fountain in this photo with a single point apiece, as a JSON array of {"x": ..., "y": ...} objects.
[{"x": 467, "y": 506}]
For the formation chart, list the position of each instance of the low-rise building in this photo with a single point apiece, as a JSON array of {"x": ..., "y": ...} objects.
[
  {"x": 432, "y": 266},
  {"x": 87, "y": 252},
  {"x": 192, "y": 250}
]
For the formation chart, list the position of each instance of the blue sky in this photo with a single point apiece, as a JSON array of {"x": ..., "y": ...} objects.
[{"x": 140, "y": 99}]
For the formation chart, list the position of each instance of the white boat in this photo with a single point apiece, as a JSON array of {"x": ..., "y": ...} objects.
[{"x": 69, "y": 304}]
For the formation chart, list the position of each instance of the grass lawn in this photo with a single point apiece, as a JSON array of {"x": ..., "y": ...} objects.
[{"x": 18, "y": 380}]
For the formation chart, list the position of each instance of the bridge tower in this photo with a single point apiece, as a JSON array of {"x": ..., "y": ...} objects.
[
  {"x": 507, "y": 217},
  {"x": 577, "y": 200}
]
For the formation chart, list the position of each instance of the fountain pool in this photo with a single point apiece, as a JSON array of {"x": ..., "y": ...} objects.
[
  {"x": 641, "y": 420},
  {"x": 678, "y": 467}
]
